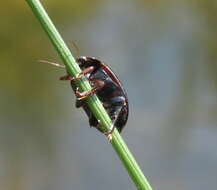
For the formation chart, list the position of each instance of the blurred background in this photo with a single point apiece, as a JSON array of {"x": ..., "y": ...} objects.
[{"x": 164, "y": 52}]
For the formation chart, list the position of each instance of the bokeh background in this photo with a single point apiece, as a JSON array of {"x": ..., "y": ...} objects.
[{"x": 164, "y": 52}]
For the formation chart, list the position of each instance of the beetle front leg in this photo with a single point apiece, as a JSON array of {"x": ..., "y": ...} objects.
[
  {"x": 71, "y": 78},
  {"x": 79, "y": 75}
]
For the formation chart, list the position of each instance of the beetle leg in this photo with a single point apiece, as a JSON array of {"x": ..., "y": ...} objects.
[
  {"x": 98, "y": 84},
  {"x": 84, "y": 95},
  {"x": 118, "y": 102},
  {"x": 79, "y": 103},
  {"x": 83, "y": 72},
  {"x": 69, "y": 77},
  {"x": 108, "y": 134},
  {"x": 87, "y": 70},
  {"x": 79, "y": 75}
]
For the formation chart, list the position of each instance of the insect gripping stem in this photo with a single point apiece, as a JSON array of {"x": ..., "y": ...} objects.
[{"x": 93, "y": 102}]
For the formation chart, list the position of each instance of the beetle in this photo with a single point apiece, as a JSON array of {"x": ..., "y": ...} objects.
[{"x": 106, "y": 86}]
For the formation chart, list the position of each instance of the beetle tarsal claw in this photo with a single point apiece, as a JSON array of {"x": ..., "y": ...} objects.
[
  {"x": 109, "y": 134},
  {"x": 109, "y": 137}
]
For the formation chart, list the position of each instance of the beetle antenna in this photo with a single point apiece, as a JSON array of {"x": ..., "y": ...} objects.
[
  {"x": 52, "y": 63},
  {"x": 77, "y": 51}
]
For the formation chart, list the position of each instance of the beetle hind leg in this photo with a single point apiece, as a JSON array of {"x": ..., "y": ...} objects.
[
  {"x": 115, "y": 108},
  {"x": 108, "y": 133}
]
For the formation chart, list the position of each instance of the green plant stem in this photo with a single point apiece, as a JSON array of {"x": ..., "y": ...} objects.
[{"x": 92, "y": 101}]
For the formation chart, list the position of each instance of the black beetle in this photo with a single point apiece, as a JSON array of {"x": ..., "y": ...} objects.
[{"x": 106, "y": 86}]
